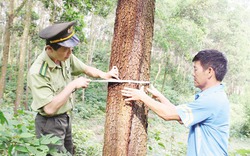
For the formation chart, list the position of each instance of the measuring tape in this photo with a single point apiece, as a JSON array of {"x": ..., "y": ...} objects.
[{"x": 120, "y": 81}]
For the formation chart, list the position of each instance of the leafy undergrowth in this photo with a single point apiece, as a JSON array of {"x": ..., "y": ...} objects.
[
  {"x": 88, "y": 135},
  {"x": 164, "y": 138},
  {"x": 17, "y": 136}
]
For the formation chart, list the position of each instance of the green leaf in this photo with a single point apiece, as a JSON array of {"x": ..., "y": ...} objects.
[
  {"x": 21, "y": 149},
  {"x": 33, "y": 150},
  {"x": 243, "y": 151},
  {"x": 2, "y": 118},
  {"x": 161, "y": 144},
  {"x": 55, "y": 140},
  {"x": 36, "y": 142},
  {"x": 43, "y": 148},
  {"x": 45, "y": 140},
  {"x": 26, "y": 135},
  {"x": 150, "y": 148},
  {"x": 50, "y": 139},
  {"x": 10, "y": 150}
]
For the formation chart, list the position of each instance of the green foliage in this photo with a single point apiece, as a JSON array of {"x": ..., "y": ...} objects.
[
  {"x": 10, "y": 89},
  {"x": 179, "y": 31},
  {"x": 19, "y": 26},
  {"x": 181, "y": 27},
  {"x": 17, "y": 136},
  {"x": 163, "y": 137},
  {"x": 240, "y": 152},
  {"x": 101, "y": 8},
  {"x": 11, "y": 79},
  {"x": 76, "y": 10},
  {"x": 245, "y": 129},
  {"x": 3, "y": 119},
  {"x": 100, "y": 56},
  {"x": 85, "y": 140},
  {"x": 240, "y": 118},
  {"x": 94, "y": 103},
  {"x": 243, "y": 152},
  {"x": 173, "y": 83}
]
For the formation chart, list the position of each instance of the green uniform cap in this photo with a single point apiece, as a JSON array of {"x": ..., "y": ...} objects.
[{"x": 60, "y": 33}]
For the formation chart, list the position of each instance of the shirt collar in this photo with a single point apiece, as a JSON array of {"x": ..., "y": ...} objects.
[
  {"x": 209, "y": 90},
  {"x": 52, "y": 65}
]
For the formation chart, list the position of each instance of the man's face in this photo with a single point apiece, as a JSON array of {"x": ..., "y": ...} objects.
[
  {"x": 62, "y": 54},
  {"x": 201, "y": 76}
]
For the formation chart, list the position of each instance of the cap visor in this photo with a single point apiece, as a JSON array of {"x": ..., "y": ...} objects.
[{"x": 73, "y": 41}]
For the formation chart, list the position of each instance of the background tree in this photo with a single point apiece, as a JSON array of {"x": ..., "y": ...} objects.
[
  {"x": 126, "y": 125},
  {"x": 22, "y": 56},
  {"x": 10, "y": 17}
]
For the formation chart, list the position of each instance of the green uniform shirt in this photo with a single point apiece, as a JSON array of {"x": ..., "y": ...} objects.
[{"x": 46, "y": 79}]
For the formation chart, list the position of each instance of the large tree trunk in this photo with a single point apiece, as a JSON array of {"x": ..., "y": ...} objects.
[
  {"x": 6, "y": 47},
  {"x": 126, "y": 125},
  {"x": 20, "y": 77}
]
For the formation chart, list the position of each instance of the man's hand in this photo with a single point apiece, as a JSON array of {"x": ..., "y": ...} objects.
[
  {"x": 60, "y": 99},
  {"x": 80, "y": 82},
  {"x": 113, "y": 73},
  {"x": 156, "y": 94},
  {"x": 133, "y": 94}
]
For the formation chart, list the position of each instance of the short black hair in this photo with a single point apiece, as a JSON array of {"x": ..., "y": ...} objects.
[
  {"x": 55, "y": 46},
  {"x": 214, "y": 59}
]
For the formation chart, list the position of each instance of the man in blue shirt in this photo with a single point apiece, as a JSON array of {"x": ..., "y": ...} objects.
[{"x": 207, "y": 116}]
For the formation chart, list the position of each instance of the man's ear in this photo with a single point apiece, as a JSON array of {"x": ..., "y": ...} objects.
[
  {"x": 210, "y": 72},
  {"x": 48, "y": 48}
]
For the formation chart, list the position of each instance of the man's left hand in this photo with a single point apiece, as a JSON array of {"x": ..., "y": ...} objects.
[
  {"x": 113, "y": 73},
  {"x": 133, "y": 94}
]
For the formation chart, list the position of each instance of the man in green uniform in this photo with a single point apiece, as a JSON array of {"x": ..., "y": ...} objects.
[{"x": 49, "y": 80}]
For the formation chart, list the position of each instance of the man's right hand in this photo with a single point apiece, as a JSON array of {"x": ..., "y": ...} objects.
[
  {"x": 80, "y": 82},
  {"x": 155, "y": 93}
]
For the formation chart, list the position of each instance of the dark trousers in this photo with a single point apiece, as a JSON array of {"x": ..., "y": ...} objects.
[{"x": 59, "y": 126}]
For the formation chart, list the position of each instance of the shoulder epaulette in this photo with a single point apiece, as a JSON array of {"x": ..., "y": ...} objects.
[{"x": 44, "y": 68}]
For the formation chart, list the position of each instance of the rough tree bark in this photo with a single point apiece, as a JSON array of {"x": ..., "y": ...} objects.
[
  {"x": 126, "y": 125},
  {"x": 20, "y": 77}
]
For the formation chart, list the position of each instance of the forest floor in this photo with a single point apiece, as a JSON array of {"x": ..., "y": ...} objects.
[{"x": 163, "y": 137}]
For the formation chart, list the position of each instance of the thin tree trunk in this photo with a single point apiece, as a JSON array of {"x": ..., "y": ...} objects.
[
  {"x": 158, "y": 73},
  {"x": 164, "y": 77},
  {"x": 20, "y": 77},
  {"x": 10, "y": 17},
  {"x": 28, "y": 67},
  {"x": 91, "y": 48},
  {"x": 6, "y": 48},
  {"x": 126, "y": 125}
]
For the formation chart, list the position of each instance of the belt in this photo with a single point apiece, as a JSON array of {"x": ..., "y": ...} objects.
[{"x": 57, "y": 115}]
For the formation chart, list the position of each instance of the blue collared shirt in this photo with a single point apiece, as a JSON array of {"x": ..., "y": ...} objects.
[{"x": 208, "y": 119}]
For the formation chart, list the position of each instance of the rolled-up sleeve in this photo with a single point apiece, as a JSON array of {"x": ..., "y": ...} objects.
[
  {"x": 185, "y": 114},
  {"x": 196, "y": 111}
]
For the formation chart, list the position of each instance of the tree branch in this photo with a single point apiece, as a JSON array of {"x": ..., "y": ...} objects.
[{"x": 19, "y": 8}]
